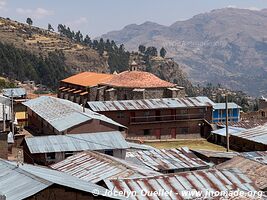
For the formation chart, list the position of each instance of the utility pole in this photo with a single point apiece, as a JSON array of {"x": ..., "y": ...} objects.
[
  {"x": 4, "y": 117},
  {"x": 226, "y": 123},
  {"x": 12, "y": 113}
]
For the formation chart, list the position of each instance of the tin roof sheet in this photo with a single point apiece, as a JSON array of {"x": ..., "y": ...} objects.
[
  {"x": 216, "y": 154},
  {"x": 76, "y": 142},
  {"x": 7, "y": 111},
  {"x": 20, "y": 182},
  {"x": 94, "y": 167},
  {"x": 247, "y": 124},
  {"x": 200, "y": 180},
  {"x": 256, "y": 171},
  {"x": 167, "y": 159},
  {"x": 146, "y": 104},
  {"x": 17, "y": 92},
  {"x": 230, "y": 105},
  {"x": 257, "y": 134},
  {"x": 63, "y": 114},
  {"x": 231, "y": 130},
  {"x": 260, "y": 156}
]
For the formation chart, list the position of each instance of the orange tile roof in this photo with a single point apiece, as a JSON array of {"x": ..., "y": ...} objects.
[
  {"x": 137, "y": 79},
  {"x": 88, "y": 78}
]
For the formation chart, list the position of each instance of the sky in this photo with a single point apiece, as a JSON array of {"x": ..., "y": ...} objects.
[{"x": 97, "y": 17}]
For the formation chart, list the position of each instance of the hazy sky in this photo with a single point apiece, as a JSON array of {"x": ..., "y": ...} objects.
[{"x": 97, "y": 17}]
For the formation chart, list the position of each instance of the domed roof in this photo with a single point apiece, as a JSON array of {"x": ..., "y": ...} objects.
[{"x": 137, "y": 79}]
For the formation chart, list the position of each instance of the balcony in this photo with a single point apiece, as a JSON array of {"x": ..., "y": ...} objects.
[{"x": 165, "y": 118}]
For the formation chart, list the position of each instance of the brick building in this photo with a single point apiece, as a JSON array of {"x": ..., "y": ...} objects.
[
  {"x": 159, "y": 118},
  {"x": 50, "y": 116},
  {"x": 128, "y": 85},
  {"x": 46, "y": 150}
]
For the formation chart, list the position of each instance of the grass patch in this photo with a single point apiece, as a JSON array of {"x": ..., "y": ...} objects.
[{"x": 191, "y": 144}]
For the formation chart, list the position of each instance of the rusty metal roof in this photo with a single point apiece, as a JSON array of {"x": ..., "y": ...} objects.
[
  {"x": 76, "y": 142},
  {"x": 94, "y": 167},
  {"x": 256, "y": 171},
  {"x": 167, "y": 159},
  {"x": 260, "y": 156},
  {"x": 146, "y": 104},
  {"x": 200, "y": 180}
]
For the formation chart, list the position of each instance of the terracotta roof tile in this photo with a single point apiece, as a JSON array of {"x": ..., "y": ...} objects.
[
  {"x": 137, "y": 79},
  {"x": 88, "y": 78}
]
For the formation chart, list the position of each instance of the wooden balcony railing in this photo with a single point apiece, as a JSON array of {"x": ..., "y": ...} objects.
[{"x": 165, "y": 118}]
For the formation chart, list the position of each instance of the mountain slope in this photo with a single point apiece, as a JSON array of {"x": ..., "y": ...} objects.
[
  {"x": 40, "y": 42},
  {"x": 226, "y": 46}
]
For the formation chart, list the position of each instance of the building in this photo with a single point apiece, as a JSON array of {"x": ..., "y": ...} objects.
[
  {"x": 18, "y": 95},
  {"x": 219, "y": 112},
  {"x": 181, "y": 185},
  {"x": 167, "y": 160},
  {"x": 159, "y": 118},
  {"x": 262, "y": 103},
  {"x": 127, "y": 85},
  {"x": 5, "y": 113},
  {"x": 49, "y": 116},
  {"x": 244, "y": 123},
  {"x": 39, "y": 183},
  {"x": 255, "y": 170},
  {"x": 253, "y": 139},
  {"x": 46, "y": 150},
  {"x": 95, "y": 167}
]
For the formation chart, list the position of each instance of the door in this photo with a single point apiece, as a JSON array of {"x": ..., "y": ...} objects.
[
  {"x": 173, "y": 133},
  {"x": 157, "y": 133},
  {"x": 158, "y": 118}
]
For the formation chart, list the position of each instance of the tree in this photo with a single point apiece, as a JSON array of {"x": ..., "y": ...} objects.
[
  {"x": 29, "y": 21},
  {"x": 163, "y": 52},
  {"x": 151, "y": 51},
  {"x": 50, "y": 28},
  {"x": 142, "y": 48}
]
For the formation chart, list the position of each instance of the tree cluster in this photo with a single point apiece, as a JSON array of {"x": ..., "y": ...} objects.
[
  {"x": 118, "y": 57},
  {"x": 152, "y": 51},
  {"x": 22, "y": 65}
]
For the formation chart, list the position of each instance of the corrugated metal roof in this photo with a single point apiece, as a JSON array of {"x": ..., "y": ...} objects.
[
  {"x": 167, "y": 159},
  {"x": 17, "y": 92},
  {"x": 76, "y": 142},
  {"x": 230, "y": 105},
  {"x": 136, "y": 146},
  {"x": 257, "y": 134},
  {"x": 200, "y": 180},
  {"x": 5, "y": 100},
  {"x": 63, "y": 114},
  {"x": 260, "y": 156},
  {"x": 231, "y": 130},
  {"x": 256, "y": 171},
  {"x": 146, "y": 104},
  {"x": 94, "y": 167},
  {"x": 26, "y": 180},
  {"x": 251, "y": 123},
  {"x": 216, "y": 154}
]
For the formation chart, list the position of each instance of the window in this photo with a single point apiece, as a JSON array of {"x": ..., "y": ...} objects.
[
  {"x": 120, "y": 115},
  {"x": 68, "y": 154},
  {"x": 263, "y": 114},
  {"x": 184, "y": 130},
  {"x": 146, "y": 131},
  {"x": 109, "y": 152},
  {"x": 51, "y": 156},
  {"x": 184, "y": 111},
  {"x": 146, "y": 113}
]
